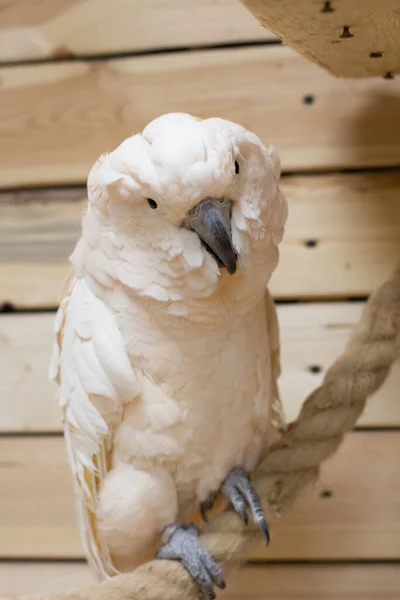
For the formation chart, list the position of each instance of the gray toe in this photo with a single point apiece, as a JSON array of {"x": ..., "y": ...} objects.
[
  {"x": 239, "y": 489},
  {"x": 214, "y": 570},
  {"x": 183, "y": 545}
]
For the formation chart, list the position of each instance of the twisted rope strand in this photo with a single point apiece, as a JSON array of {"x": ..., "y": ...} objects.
[{"x": 292, "y": 463}]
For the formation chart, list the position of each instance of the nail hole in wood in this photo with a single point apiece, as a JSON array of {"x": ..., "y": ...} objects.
[
  {"x": 326, "y": 494},
  {"x": 327, "y": 8},
  {"x": 388, "y": 75},
  {"x": 309, "y": 99},
  {"x": 311, "y": 243},
  {"x": 62, "y": 52},
  {"x": 375, "y": 54},
  {"x": 315, "y": 369},
  {"x": 7, "y": 307},
  {"x": 346, "y": 32}
]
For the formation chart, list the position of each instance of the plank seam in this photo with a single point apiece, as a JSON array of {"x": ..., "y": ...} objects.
[
  {"x": 59, "y": 434},
  {"x": 31, "y": 434},
  {"x": 254, "y": 563},
  {"x": 8, "y": 308},
  {"x": 286, "y": 174},
  {"x": 140, "y": 53},
  {"x": 323, "y": 562}
]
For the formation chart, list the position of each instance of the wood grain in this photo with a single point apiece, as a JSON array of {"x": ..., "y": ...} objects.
[
  {"x": 353, "y": 220},
  {"x": 56, "y": 119},
  {"x": 316, "y": 30},
  {"x": 359, "y": 521},
  {"x": 313, "y": 336},
  {"x": 353, "y": 223},
  {"x": 269, "y": 582},
  {"x": 64, "y": 29}
]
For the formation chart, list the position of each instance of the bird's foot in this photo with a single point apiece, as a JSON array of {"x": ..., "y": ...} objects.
[
  {"x": 183, "y": 544},
  {"x": 238, "y": 489}
]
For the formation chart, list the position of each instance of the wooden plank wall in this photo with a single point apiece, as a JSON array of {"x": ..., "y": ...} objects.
[
  {"x": 347, "y": 37},
  {"x": 77, "y": 78}
]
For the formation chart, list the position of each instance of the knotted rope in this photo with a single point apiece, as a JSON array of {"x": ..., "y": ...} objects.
[{"x": 289, "y": 465}]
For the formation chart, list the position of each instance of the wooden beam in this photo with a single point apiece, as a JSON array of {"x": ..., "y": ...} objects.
[
  {"x": 312, "y": 336},
  {"x": 261, "y": 582},
  {"x": 78, "y": 110},
  {"x": 349, "y": 222},
  {"x": 358, "y": 521},
  {"x": 57, "y": 29},
  {"x": 347, "y": 38}
]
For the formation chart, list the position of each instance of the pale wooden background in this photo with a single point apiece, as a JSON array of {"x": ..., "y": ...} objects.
[{"x": 77, "y": 78}]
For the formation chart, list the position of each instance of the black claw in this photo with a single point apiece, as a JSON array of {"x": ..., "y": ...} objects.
[
  {"x": 203, "y": 579},
  {"x": 206, "y": 507},
  {"x": 265, "y": 530},
  {"x": 209, "y": 593},
  {"x": 238, "y": 488},
  {"x": 203, "y": 511}
]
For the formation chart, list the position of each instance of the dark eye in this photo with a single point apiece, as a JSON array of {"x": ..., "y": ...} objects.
[
  {"x": 152, "y": 203},
  {"x": 236, "y": 167}
]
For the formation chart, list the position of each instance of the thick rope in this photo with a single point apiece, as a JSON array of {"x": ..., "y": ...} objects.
[{"x": 292, "y": 463}]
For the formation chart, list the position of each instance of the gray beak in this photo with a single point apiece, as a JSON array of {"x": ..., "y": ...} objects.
[{"x": 211, "y": 220}]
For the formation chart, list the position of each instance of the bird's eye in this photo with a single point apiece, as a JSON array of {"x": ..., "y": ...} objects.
[
  {"x": 236, "y": 167},
  {"x": 152, "y": 203}
]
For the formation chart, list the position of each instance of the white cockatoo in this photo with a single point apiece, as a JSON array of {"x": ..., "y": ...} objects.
[{"x": 167, "y": 352}]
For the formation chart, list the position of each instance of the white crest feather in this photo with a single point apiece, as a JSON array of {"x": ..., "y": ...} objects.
[{"x": 108, "y": 175}]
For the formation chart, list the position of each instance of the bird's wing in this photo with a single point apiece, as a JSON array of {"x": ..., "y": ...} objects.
[
  {"x": 95, "y": 378},
  {"x": 278, "y": 419}
]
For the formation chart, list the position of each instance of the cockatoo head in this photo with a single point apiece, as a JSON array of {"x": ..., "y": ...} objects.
[{"x": 187, "y": 204}]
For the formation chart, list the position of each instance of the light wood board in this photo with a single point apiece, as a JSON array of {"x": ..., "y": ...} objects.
[
  {"x": 269, "y": 582},
  {"x": 359, "y": 521},
  {"x": 313, "y": 335},
  {"x": 349, "y": 38},
  {"x": 56, "y": 119},
  {"x": 55, "y": 29},
  {"x": 354, "y": 220}
]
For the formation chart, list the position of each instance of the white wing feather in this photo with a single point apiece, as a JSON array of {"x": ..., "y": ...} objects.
[
  {"x": 278, "y": 419},
  {"x": 95, "y": 378}
]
